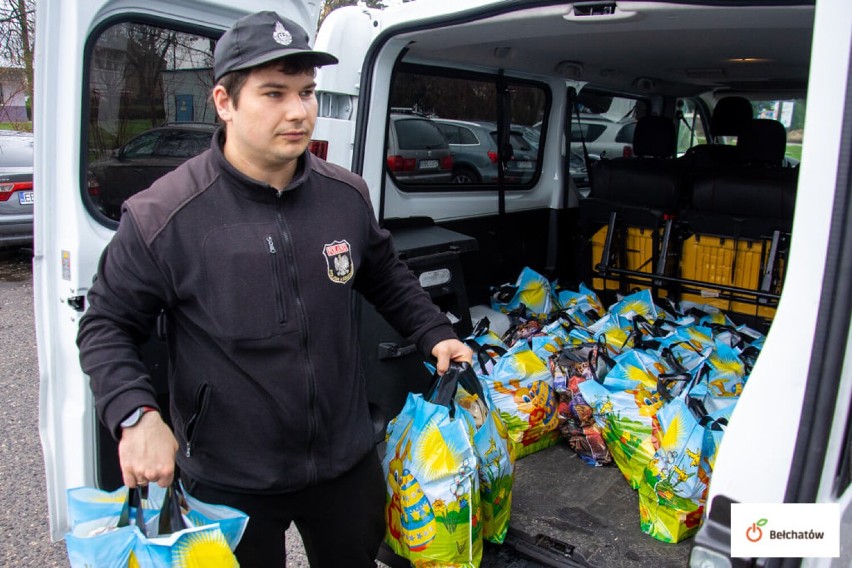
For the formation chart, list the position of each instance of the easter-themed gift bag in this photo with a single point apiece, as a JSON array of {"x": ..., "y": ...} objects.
[
  {"x": 432, "y": 505},
  {"x": 179, "y": 532},
  {"x": 495, "y": 464},
  {"x": 624, "y": 406},
  {"x": 521, "y": 387},
  {"x": 673, "y": 489},
  {"x": 531, "y": 290}
]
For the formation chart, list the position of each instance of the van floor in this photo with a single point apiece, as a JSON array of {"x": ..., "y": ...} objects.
[{"x": 591, "y": 510}]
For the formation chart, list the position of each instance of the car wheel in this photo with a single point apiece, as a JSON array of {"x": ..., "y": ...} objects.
[{"x": 465, "y": 175}]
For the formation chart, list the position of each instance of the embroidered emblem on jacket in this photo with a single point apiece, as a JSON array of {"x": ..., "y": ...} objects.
[
  {"x": 338, "y": 257},
  {"x": 281, "y": 35}
]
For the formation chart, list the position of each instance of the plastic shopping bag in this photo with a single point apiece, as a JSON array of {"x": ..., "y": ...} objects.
[
  {"x": 521, "y": 387},
  {"x": 495, "y": 465},
  {"x": 168, "y": 530},
  {"x": 433, "y": 503},
  {"x": 573, "y": 366},
  {"x": 531, "y": 290},
  {"x": 625, "y": 405},
  {"x": 673, "y": 490}
]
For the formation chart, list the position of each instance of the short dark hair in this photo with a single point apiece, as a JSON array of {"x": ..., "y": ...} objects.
[{"x": 234, "y": 81}]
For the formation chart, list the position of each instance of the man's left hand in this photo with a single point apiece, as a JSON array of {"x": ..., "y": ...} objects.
[{"x": 451, "y": 350}]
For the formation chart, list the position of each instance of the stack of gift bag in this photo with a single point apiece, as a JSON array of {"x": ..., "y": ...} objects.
[{"x": 647, "y": 387}]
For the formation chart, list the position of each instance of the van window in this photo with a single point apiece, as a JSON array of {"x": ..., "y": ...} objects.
[
  {"x": 690, "y": 126},
  {"x": 605, "y": 124},
  {"x": 465, "y": 111},
  {"x": 148, "y": 109},
  {"x": 790, "y": 113}
]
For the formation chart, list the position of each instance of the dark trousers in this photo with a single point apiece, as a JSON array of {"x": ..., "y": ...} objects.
[{"x": 341, "y": 521}]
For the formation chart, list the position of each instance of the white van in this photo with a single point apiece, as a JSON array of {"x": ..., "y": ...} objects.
[{"x": 776, "y": 222}]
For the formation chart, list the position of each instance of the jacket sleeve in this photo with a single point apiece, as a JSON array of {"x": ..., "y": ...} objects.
[
  {"x": 388, "y": 284},
  {"x": 123, "y": 304}
]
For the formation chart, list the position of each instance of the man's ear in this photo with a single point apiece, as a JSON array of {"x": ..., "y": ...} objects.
[{"x": 222, "y": 101}]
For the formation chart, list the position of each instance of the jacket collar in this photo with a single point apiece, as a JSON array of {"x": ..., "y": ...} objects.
[{"x": 248, "y": 186}]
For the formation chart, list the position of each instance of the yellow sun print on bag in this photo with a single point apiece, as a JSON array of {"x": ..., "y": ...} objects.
[{"x": 203, "y": 549}]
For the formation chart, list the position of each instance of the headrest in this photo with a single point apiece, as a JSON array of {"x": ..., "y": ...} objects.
[
  {"x": 729, "y": 116},
  {"x": 654, "y": 137},
  {"x": 762, "y": 142}
]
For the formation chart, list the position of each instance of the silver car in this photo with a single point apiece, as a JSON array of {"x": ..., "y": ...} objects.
[
  {"x": 16, "y": 188},
  {"x": 417, "y": 151}
]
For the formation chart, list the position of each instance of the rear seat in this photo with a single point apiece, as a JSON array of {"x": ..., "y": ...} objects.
[
  {"x": 734, "y": 202},
  {"x": 635, "y": 199},
  {"x": 739, "y": 219},
  {"x": 730, "y": 115}
]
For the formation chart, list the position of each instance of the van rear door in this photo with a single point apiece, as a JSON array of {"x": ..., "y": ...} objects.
[{"x": 114, "y": 79}]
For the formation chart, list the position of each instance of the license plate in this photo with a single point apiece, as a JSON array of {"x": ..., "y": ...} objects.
[
  {"x": 26, "y": 197},
  {"x": 428, "y": 164},
  {"x": 525, "y": 165}
]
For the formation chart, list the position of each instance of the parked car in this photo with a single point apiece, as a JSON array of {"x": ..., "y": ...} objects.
[
  {"x": 474, "y": 147},
  {"x": 604, "y": 137},
  {"x": 417, "y": 151},
  {"x": 16, "y": 188},
  {"x": 142, "y": 160}
]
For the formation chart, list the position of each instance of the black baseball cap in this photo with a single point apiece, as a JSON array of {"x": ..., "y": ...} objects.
[{"x": 260, "y": 38}]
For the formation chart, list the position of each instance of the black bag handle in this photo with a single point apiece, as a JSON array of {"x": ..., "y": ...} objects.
[
  {"x": 134, "y": 498},
  {"x": 483, "y": 353},
  {"x": 443, "y": 390},
  {"x": 171, "y": 516}
]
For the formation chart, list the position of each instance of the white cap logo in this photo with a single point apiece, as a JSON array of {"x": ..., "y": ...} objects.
[{"x": 281, "y": 35}]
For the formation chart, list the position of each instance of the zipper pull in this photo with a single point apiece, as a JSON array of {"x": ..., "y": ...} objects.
[
  {"x": 271, "y": 244},
  {"x": 188, "y": 450}
]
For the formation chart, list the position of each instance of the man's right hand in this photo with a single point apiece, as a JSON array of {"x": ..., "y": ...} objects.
[{"x": 147, "y": 452}]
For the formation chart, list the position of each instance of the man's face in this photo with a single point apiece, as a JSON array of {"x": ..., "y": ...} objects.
[{"x": 273, "y": 122}]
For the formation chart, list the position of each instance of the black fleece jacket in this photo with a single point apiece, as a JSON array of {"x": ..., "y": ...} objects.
[{"x": 267, "y": 393}]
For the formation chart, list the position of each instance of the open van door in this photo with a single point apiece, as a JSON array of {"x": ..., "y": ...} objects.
[{"x": 121, "y": 98}]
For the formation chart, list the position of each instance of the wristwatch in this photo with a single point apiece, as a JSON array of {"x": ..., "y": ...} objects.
[{"x": 134, "y": 417}]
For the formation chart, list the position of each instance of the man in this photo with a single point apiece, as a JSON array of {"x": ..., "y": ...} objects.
[{"x": 253, "y": 249}]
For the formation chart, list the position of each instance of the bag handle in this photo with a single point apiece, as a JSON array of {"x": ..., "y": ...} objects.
[
  {"x": 171, "y": 516},
  {"x": 133, "y": 498},
  {"x": 443, "y": 390},
  {"x": 483, "y": 355}
]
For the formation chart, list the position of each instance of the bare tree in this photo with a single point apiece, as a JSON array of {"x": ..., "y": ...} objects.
[
  {"x": 17, "y": 34},
  {"x": 329, "y": 5}
]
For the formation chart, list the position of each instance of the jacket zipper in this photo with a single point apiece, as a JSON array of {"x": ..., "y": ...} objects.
[
  {"x": 276, "y": 284},
  {"x": 202, "y": 400},
  {"x": 303, "y": 321}
]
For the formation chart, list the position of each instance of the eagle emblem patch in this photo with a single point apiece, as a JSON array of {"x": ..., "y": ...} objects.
[
  {"x": 281, "y": 35},
  {"x": 338, "y": 258}
]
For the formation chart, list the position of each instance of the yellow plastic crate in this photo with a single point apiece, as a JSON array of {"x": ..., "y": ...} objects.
[
  {"x": 639, "y": 252},
  {"x": 727, "y": 262}
]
